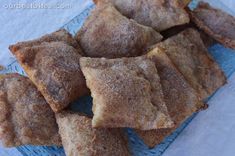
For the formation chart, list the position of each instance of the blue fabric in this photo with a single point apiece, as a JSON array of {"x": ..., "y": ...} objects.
[{"x": 224, "y": 57}]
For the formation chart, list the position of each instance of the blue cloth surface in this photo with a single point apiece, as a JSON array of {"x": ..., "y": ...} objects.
[{"x": 224, "y": 57}]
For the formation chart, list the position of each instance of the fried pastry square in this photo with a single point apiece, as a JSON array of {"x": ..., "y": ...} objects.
[
  {"x": 158, "y": 14},
  {"x": 189, "y": 55},
  {"x": 25, "y": 117},
  {"x": 126, "y": 93},
  {"x": 181, "y": 99},
  {"x": 107, "y": 33},
  {"x": 79, "y": 138},
  {"x": 53, "y": 66},
  {"x": 216, "y": 23}
]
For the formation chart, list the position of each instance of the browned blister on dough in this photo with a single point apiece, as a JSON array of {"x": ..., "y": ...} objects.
[
  {"x": 79, "y": 138},
  {"x": 25, "y": 117},
  {"x": 126, "y": 93}
]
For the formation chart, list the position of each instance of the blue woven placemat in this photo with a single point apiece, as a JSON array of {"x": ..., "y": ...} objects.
[{"x": 224, "y": 57}]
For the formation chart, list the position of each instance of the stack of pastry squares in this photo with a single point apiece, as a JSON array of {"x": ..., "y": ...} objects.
[{"x": 136, "y": 80}]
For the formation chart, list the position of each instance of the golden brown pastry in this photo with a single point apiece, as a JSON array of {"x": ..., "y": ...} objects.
[
  {"x": 158, "y": 14},
  {"x": 107, "y": 33},
  {"x": 181, "y": 99},
  {"x": 207, "y": 40},
  {"x": 53, "y": 66},
  {"x": 154, "y": 137},
  {"x": 25, "y": 117},
  {"x": 189, "y": 55},
  {"x": 216, "y": 23},
  {"x": 80, "y": 139},
  {"x": 126, "y": 93},
  {"x": 58, "y": 36}
]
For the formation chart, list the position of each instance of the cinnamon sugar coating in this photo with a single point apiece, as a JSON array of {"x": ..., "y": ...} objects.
[
  {"x": 158, "y": 14},
  {"x": 107, "y": 33},
  {"x": 25, "y": 117},
  {"x": 216, "y": 23},
  {"x": 126, "y": 93},
  {"x": 58, "y": 36},
  {"x": 52, "y": 63},
  {"x": 79, "y": 138},
  {"x": 188, "y": 53},
  {"x": 181, "y": 99}
]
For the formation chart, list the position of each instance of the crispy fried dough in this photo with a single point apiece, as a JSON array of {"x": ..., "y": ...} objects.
[
  {"x": 158, "y": 14},
  {"x": 216, "y": 23},
  {"x": 58, "y": 36},
  {"x": 183, "y": 3},
  {"x": 107, "y": 33},
  {"x": 126, "y": 93},
  {"x": 189, "y": 55},
  {"x": 207, "y": 40},
  {"x": 54, "y": 68},
  {"x": 25, "y": 117},
  {"x": 181, "y": 99},
  {"x": 79, "y": 138}
]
